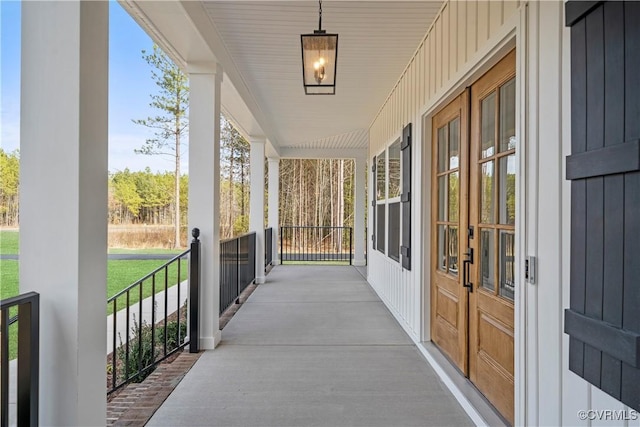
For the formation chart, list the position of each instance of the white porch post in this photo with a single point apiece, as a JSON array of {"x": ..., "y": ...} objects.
[
  {"x": 63, "y": 201},
  {"x": 256, "y": 202},
  {"x": 274, "y": 204},
  {"x": 204, "y": 191},
  {"x": 359, "y": 210}
]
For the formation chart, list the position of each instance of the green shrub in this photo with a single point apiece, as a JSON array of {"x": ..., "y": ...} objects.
[{"x": 141, "y": 354}]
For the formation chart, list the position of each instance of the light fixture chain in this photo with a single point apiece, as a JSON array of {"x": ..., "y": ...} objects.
[{"x": 320, "y": 16}]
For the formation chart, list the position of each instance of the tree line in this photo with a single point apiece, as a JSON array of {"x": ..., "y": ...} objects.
[
  {"x": 9, "y": 186},
  {"x": 312, "y": 192},
  {"x": 146, "y": 197},
  {"x": 317, "y": 192}
]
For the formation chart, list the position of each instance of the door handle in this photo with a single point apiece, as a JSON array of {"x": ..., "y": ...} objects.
[{"x": 465, "y": 269}]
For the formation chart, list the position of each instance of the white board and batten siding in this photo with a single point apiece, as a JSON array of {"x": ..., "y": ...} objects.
[{"x": 460, "y": 45}]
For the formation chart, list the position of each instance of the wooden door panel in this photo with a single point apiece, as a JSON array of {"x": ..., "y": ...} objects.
[
  {"x": 448, "y": 298},
  {"x": 499, "y": 308},
  {"x": 496, "y": 385},
  {"x": 491, "y": 309},
  {"x": 447, "y": 324},
  {"x": 447, "y": 307},
  {"x": 495, "y": 342}
]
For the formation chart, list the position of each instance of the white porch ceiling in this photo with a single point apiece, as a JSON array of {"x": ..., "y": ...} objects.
[{"x": 258, "y": 46}]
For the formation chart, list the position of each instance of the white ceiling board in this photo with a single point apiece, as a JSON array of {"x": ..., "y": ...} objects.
[
  {"x": 257, "y": 44},
  {"x": 376, "y": 41}
]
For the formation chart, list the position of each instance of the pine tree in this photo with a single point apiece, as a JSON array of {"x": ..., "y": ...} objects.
[{"x": 170, "y": 124}]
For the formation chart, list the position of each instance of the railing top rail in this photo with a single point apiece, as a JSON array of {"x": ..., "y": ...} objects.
[
  {"x": 314, "y": 226},
  {"x": 137, "y": 282},
  {"x": 25, "y": 298},
  {"x": 237, "y": 237}
]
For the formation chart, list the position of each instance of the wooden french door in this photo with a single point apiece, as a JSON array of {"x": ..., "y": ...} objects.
[
  {"x": 473, "y": 244},
  {"x": 449, "y": 299}
]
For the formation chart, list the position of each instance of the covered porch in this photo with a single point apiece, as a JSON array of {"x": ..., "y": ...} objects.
[
  {"x": 313, "y": 345},
  {"x": 416, "y": 81}
]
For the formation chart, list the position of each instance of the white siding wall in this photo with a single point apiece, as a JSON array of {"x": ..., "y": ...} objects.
[{"x": 462, "y": 43}]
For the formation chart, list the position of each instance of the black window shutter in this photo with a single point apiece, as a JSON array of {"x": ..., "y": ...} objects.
[
  {"x": 373, "y": 201},
  {"x": 405, "y": 198},
  {"x": 603, "y": 320}
]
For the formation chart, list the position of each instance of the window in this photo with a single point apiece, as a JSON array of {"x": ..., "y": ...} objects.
[
  {"x": 393, "y": 200},
  {"x": 394, "y": 231},
  {"x": 388, "y": 177},
  {"x": 392, "y": 204},
  {"x": 381, "y": 195},
  {"x": 381, "y": 177},
  {"x": 394, "y": 171}
]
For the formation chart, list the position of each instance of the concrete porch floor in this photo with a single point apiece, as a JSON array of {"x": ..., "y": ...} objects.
[{"x": 313, "y": 346}]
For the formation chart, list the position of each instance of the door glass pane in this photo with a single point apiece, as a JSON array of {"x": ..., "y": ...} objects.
[
  {"x": 442, "y": 149},
  {"x": 486, "y": 193},
  {"x": 507, "y": 264},
  {"x": 454, "y": 191},
  {"x": 381, "y": 176},
  {"x": 442, "y": 258},
  {"x": 394, "y": 170},
  {"x": 453, "y": 250},
  {"x": 487, "y": 259},
  {"x": 454, "y": 143},
  {"x": 442, "y": 198},
  {"x": 508, "y": 190},
  {"x": 488, "y": 125},
  {"x": 508, "y": 116}
]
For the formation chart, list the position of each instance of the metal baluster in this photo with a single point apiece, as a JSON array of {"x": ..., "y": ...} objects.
[
  {"x": 126, "y": 355},
  {"x": 153, "y": 318},
  {"x": 140, "y": 345},
  {"x": 4, "y": 369},
  {"x": 166, "y": 300},
  {"x": 179, "y": 341},
  {"x": 114, "y": 360}
]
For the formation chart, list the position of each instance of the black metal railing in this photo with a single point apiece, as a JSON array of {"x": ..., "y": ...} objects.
[
  {"x": 316, "y": 244},
  {"x": 237, "y": 267},
  {"x": 148, "y": 339},
  {"x": 268, "y": 247},
  {"x": 28, "y": 357}
]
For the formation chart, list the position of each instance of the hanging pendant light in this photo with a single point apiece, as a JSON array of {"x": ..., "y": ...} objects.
[{"x": 319, "y": 60}]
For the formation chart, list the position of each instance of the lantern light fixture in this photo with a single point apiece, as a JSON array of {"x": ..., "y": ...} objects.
[{"x": 319, "y": 60}]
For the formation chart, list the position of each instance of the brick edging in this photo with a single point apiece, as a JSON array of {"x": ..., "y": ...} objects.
[{"x": 136, "y": 403}]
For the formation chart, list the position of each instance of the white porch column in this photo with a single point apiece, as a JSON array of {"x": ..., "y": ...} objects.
[
  {"x": 359, "y": 210},
  {"x": 274, "y": 205},
  {"x": 63, "y": 201},
  {"x": 256, "y": 201},
  {"x": 204, "y": 191}
]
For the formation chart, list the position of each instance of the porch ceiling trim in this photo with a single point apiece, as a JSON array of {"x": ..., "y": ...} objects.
[{"x": 319, "y": 153}]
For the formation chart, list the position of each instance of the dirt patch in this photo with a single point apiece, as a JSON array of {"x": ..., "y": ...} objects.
[{"x": 144, "y": 236}]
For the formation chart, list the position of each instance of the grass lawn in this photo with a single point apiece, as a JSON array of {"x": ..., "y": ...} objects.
[
  {"x": 145, "y": 251},
  {"x": 9, "y": 242},
  {"x": 120, "y": 274},
  {"x": 8, "y": 289}
]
